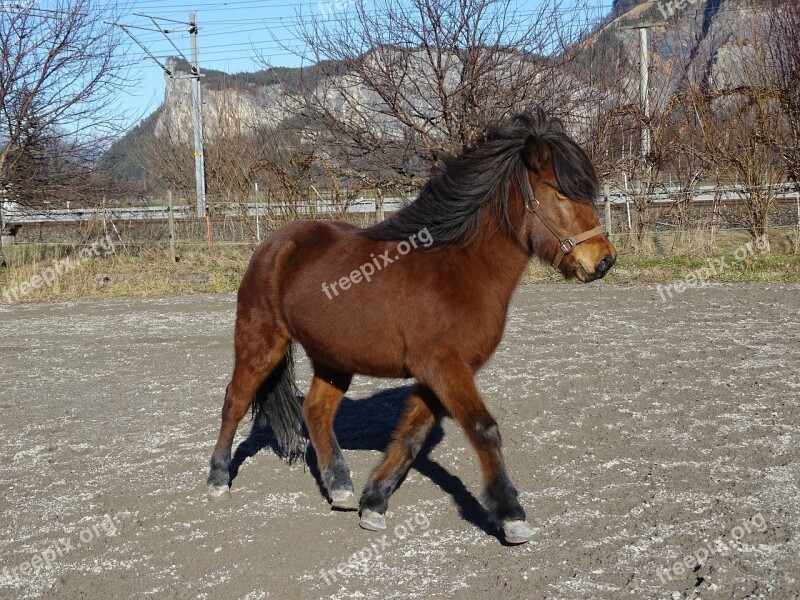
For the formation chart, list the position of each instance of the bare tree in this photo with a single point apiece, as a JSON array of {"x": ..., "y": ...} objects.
[
  {"x": 782, "y": 28},
  {"x": 61, "y": 69},
  {"x": 166, "y": 156},
  {"x": 285, "y": 168},
  {"x": 232, "y": 150},
  {"x": 617, "y": 129},
  {"x": 712, "y": 112},
  {"x": 745, "y": 127},
  {"x": 398, "y": 82},
  {"x": 736, "y": 126}
]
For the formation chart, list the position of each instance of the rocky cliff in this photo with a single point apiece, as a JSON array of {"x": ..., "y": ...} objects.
[
  {"x": 705, "y": 37},
  {"x": 228, "y": 104}
]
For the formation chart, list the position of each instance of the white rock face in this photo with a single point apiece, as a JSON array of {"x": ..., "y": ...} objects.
[
  {"x": 714, "y": 51},
  {"x": 231, "y": 109},
  {"x": 246, "y": 108}
]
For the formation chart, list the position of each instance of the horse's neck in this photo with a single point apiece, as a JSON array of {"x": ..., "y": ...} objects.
[{"x": 501, "y": 258}]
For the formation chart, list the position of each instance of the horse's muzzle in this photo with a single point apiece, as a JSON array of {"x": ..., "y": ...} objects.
[{"x": 600, "y": 270}]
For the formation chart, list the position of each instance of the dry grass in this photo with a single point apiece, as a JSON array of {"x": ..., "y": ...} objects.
[
  {"x": 144, "y": 272},
  {"x": 148, "y": 271}
]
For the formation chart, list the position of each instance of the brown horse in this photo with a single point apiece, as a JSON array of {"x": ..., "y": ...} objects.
[{"x": 423, "y": 294}]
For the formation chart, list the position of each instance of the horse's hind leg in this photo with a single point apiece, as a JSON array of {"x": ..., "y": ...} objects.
[
  {"x": 452, "y": 381},
  {"x": 255, "y": 359},
  {"x": 319, "y": 410},
  {"x": 423, "y": 410}
]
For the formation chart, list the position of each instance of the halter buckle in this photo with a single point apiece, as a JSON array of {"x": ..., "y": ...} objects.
[{"x": 567, "y": 246}]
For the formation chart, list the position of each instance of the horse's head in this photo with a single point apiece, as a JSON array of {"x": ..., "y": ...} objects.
[{"x": 559, "y": 186}]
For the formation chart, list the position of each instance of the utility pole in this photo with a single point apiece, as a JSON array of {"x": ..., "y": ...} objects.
[
  {"x": 644, "y": 85},
  {"x": 197, "y": 119}
]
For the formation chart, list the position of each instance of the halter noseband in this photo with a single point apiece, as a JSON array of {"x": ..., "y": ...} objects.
[{"x": 566, "y": 243}]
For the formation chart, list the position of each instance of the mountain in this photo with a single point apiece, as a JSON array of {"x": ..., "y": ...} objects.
[
  {"x": 241, "y": 96},
  {"x": 706, "y": 38}
]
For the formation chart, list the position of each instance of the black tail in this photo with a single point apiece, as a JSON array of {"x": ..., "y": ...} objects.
[{"x": 276, "y": 404}]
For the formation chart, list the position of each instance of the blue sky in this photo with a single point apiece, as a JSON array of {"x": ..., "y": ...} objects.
[{"x": 234, "y": 33}]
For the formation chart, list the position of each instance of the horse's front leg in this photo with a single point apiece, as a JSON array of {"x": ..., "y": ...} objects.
[{"x": 452, "y": 381}]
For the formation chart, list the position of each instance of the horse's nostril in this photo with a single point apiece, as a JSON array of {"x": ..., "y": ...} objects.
[{"x": 606, "y": 264}]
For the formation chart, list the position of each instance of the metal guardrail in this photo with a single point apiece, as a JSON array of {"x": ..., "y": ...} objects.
[
  {"x": 13, "y": 214},
  {"x": 701, "y": 194}
]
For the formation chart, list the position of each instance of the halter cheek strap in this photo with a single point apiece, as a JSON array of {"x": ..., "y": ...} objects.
[{"x": 566, "y": 243}]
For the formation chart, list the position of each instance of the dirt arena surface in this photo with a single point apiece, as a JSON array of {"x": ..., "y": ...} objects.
[{"x": 644, "y": 436}]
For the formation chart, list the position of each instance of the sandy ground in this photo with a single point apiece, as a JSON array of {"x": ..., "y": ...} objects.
[{"x": 640, "y": 434}]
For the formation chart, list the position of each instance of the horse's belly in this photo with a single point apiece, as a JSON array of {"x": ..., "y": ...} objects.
[
  {"x": 351, "y": 354},
  {"x": 352, "y": 339}
]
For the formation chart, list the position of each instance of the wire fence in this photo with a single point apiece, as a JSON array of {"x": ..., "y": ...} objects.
[{"x": 697, "y": 228}]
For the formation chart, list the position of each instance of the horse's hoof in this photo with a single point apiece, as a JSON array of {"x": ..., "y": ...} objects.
[
  {"x": 219, "y": 492},
  {"x": 343, "y": 500},
  {"x": 372, "y": 521},
  {"x": 517, "y": 532}
]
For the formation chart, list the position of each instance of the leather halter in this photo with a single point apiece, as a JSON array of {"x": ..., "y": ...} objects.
[{"x": 566, "y": 243}]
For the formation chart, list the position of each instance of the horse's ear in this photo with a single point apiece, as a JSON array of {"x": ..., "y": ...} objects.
[{"x": 535, "y": 154}]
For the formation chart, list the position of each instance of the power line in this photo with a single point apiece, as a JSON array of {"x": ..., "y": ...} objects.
[
  {"x": 228, "y": 52},
  {"x": 193, "y": 29}
]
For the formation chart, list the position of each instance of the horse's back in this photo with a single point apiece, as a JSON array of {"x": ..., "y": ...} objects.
[{"x": 295, "y": 241}]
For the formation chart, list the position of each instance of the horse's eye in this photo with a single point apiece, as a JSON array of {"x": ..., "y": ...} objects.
[{"x": 561, "y": 195}]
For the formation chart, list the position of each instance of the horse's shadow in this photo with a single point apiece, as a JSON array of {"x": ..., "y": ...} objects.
[{"x": 368, "y": 425}]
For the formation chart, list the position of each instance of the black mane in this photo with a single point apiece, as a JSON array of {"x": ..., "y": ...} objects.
[{"x": 452, "y": 202}]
